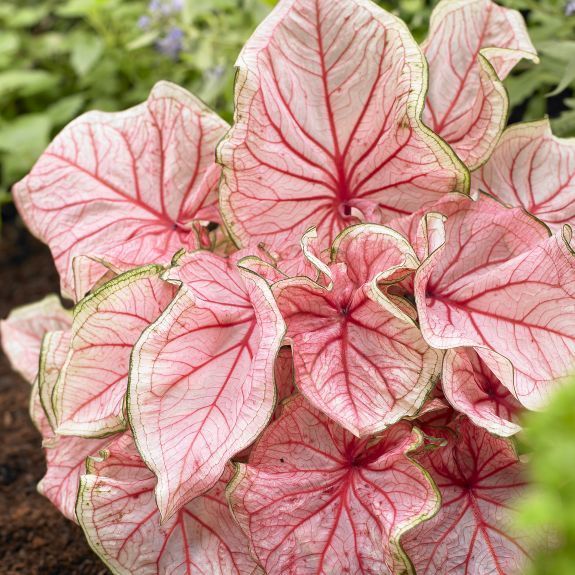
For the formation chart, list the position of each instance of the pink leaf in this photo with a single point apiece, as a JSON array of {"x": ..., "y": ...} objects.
[
  {"x": 118, "y": 513},
  {"x": 275, "y": 266},
  {"x": 314, "y": 499},
  {"x": 37, "y": 415},
  {"x": 89, "y": 395},
  {"x": 478, "y": 386},
  {"x": 23, "y": 329},
  {"x": 479, "y": 477},
  {"x": 125, "y": 186},
  {"x": 328, "y": 131},
  {"x": 65, "y": 456},
  {"x": 434, "y": 404},
  {"x": 65, "y": 463},
  {"x": 531, "y": 168},
  {"x": 475, "y": 234},
  {"x": 425, "y": 232},
  {"x": 357, "y": 356},
  {"x": 201, "y": 385},
  {"x": 424, "y": 229},
  {"x": 501, "y": 283},
  {"x": 472, "y": 46},
  {"x": 436, "y": 415}
]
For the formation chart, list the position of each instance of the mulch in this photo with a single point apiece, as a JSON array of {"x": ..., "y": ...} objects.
[{"x": 34, "y": 538}]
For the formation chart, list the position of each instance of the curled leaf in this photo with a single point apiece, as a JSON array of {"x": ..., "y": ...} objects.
[
  {"x": 91, "y": 272},
  {"x": 65, "y": 464},
  {"x": 358, "y": 356},
  {"x": 472, "y": 46}
]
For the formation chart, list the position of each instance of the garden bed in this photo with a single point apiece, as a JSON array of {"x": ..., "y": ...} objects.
[{"x": 35, "y": 539}]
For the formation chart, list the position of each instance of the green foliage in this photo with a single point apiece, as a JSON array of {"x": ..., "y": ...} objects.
[
  {"x": 59, "y": 58},
  {"x": 550, "y": 504}
]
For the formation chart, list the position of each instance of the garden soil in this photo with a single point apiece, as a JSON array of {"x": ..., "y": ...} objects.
[{"x": 34, "y": 538}]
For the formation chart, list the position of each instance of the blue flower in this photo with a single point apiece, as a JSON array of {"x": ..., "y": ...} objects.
[
  {"x": 570, "y": 8},
  {"x": 144, "y": 22},
  {"x": 171, "y": 43},
  {"x": 165, "y": 7},
  {"x": 215, "y": 73},
  {"x": 155, "y": 6}
]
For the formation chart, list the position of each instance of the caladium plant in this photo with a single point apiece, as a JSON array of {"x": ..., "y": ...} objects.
[{"x": 305, "y": 349}]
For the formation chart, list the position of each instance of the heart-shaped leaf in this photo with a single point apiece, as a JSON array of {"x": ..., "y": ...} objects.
[
  {"x": 316, "y": 500},
  {"x": 201, "y": 382},
  {"x": 125, "y": 186},
  {"x": 328, "y": 126}
]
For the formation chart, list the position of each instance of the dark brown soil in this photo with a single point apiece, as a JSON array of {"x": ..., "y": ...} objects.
[{"x": 34, "y": 538}]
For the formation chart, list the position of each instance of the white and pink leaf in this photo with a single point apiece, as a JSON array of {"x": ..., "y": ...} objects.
[
  {"x": 480, "y": 479},
  {"x": 314, "y": 499},
  {"x": 533, "y": 169},
  {"x": 478, "y": 384},
  {"x": 501, "y": 283},
  {"x": 328, "y": 126},
  {"x": 125, "y": 186},
  {"x": 201, "y": 383},
  {"x": 472, "y": 46},
  {"x": 22, "y": 332},
  {"x": 117, "y": 510},
  {"x": 358, "y": 356},
  {"x": 89, "y": 395}
]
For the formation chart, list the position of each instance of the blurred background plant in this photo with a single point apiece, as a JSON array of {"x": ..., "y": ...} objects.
[
  {"x": 59, "y": 58},
  {"x": 549, "y": 439}
]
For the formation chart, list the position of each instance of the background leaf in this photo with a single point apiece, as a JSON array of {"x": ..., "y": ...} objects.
[{"x": 86, "y": 50}]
